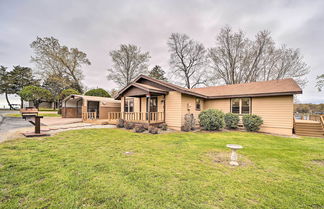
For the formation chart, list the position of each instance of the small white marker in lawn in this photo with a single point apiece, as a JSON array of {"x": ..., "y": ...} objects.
[{"x": 234, "y": 147}]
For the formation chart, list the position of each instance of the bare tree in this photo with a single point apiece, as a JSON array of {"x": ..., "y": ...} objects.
[
  {"x": 320, "y": 82},
  {"x": 52, "y": 58},
  {"x": 128, "y": 63},
  {"x": 237, "y": 59},
  {"x": 187, "y": 60}
]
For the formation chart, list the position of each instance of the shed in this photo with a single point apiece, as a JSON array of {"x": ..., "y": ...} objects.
[{"x": 89, "y": 107}]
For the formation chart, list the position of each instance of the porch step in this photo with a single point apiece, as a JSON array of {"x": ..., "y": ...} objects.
[{"x": 313, "y": 129}]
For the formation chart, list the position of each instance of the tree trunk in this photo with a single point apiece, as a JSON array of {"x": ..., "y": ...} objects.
[
  {"x": 21, "y": 103},
  {"x": 36, "y": 104},
  {"x": 10, "y": 106}
]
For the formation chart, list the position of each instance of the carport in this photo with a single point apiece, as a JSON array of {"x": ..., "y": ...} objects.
[{"x": 88, "y": 107}]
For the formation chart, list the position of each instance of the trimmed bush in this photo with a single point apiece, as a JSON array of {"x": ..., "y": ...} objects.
[
  {"x": 211, "y": 119},
  {"x": 252, "y": 122},
  {"x": 164, "y": 127},
  {"x": 153, "y": 130},
  {"x": 67, "y": 92},
  {"x": 146, "y": 126},
  {"x": 99, "y": 92},
  {"x": 189, "y": 123},
  {"x": 231, "y": 120},
  {"x": 129, "y": 125},
  {"x": 139, "y": 128},
  {"x": 185, "y": 128},
  {"x": 120, "y": 123}
]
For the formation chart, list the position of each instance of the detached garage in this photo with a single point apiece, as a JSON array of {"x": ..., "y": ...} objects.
[{"x": 88, "y": 107}]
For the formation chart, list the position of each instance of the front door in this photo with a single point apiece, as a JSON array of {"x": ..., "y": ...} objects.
[
  {"x": 93, "y": 106},
  {"x": 153, "y": 106}
]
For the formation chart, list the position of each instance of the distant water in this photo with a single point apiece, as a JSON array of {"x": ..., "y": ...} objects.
[{"x": 14, "y": 99}]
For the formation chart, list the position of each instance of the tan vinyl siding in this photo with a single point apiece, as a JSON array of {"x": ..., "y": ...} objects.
[
  {"x": 143, "y": 104},
  {"x": 276, "y": 112},
  {"x": 160, "y": 104},
  {"x": 173, "y": 110},
  {"x": 136, "y": 104},
  {"x": 220, "y": 104},
  {"x": 188, "y": 105}
]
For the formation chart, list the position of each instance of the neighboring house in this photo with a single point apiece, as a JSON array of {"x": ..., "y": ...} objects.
[
  {"x": 88, "y": 107},
  {"x": 152, "y": 101}
]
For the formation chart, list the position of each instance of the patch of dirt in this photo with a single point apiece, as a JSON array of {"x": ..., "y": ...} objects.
[
  {"x": 318, "y": 162},
  {"x": 224, "y": 159}
]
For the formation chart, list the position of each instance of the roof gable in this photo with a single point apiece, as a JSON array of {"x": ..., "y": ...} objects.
[{"x": 156, "y": 86}]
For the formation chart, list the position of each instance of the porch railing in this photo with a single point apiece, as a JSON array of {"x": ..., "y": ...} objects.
[
  {"x": 89, "y": 116},
  {"x": 114, "y": 115},
  {"x": 305, "y": 116},
  {"x": 137, "y": 116}
]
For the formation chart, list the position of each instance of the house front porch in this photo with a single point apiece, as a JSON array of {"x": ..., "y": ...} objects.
[
  {"x": 137, "y": 117},
  {"x": 141, "y": 103}
]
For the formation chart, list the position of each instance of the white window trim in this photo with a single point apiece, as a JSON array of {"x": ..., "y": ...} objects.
[{"x": 240, "y": 105}]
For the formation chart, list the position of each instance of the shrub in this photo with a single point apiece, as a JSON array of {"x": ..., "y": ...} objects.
[
  {"x": 67, "y": 92},
  {"x": 153, "y": 130},
  {"x": 211, "y": 119},
  {"x": 164, "y": 126},
  {"x": 252, "y": 122},
  {"x": 99, "y": 92},
  {"x": 129, "y": 125},
  {"x": 120, "y": 123},
  {"x": 231, "y": 120},
  {"x": 139, "y": 128},
  {"x": 146, "y": 126},
  {"x": 189, "y": 123}
]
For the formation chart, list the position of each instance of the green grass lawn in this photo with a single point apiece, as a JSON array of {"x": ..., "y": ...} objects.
[
  {"x": 40, "y": 114},
  {"x": 89, "y": 169}
]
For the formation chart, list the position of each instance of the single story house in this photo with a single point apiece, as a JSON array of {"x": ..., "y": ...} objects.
[
  {"x": 89, "y": 107},
  {"x": 152, "y": 101}
]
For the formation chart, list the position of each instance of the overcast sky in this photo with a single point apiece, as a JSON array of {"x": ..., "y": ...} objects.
[{"x": 97, "y": 27}]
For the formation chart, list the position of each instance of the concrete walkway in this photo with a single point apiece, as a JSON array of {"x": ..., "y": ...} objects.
[{"x": 52, "y": 125}]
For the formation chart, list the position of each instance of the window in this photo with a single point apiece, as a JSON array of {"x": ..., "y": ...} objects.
[
  {"x": 245, "y": 108},
  {"x": 241, "y": 106},
  {"x": 236, "y": 106},
  {"x": 197, "y": 104},
  {"x": 129, "y": 105}
]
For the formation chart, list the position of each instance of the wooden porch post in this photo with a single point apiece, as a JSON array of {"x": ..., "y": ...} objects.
[
  {"x": 140, "y": 108},
  {"x": 149, "y": 108}
]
